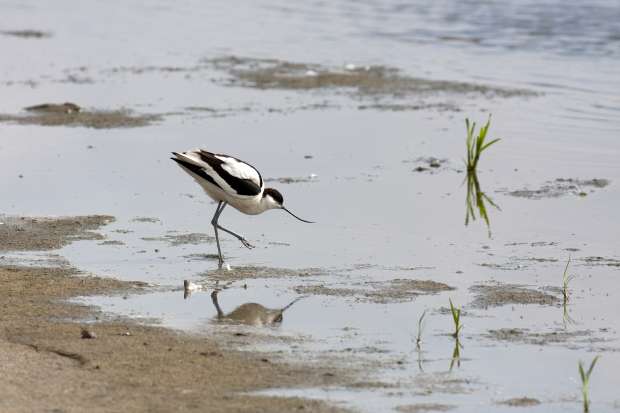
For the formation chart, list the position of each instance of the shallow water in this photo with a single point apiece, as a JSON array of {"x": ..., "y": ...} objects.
[{"x": 378, "y": 219}]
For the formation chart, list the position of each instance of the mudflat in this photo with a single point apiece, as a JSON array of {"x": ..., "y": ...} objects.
[{"x": 47, "y": 365}]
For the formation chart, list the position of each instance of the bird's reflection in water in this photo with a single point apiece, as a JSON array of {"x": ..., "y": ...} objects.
[{"x": 251, "y": 313}]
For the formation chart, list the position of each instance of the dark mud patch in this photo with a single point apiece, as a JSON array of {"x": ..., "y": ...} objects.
[
  {"x": 243, "y": 273},
  {"x": 425, "y": 407},
  {"x": 97, "y": 119},
  {"x": 211, "y": 112},
  {"x": 561, "y": 187},
  {"x": 395, "y": 107},
  {"x": 444, "y": 383},
  {"x": 29, "y": 234},
  {"x": 201, "y": 257},
  {"x": 601, "y": 261},
  {"x": 428, "y": 164},
  {"x": 507, "y": 266},
  {"x": 194, "y": 238},
  {"x": 26, "y": 34},
  {"x": 379, "y": 292},
  {"x": 293, "y": 180},
  {"x": 525, "y": 336},
  {"x": 373, "y": 385},
  {"x": 520, "y": 402},
  {"x": 497, "y": 294},
  {"x": 66, "y": 107},
  {"x": 140, "y": 70},
  {"x": 150, "y": 220},
  {"x": 367, "y": 81},
  {"x": 325, "y": 105},
  {"x": 112, "y": 242}
]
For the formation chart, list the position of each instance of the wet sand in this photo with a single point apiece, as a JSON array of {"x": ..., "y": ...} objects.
[{"x": 127, "y": 366}]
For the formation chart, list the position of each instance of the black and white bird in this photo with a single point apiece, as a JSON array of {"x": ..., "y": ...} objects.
[{"x": 229, "y": 180}]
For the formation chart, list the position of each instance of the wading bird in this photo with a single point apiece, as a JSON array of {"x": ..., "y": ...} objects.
[{"x": 229, "y": 180}]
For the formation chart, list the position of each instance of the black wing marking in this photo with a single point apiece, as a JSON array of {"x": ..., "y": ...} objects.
[
  {"x": 239, "y": 185},
  {"x": 197, "y": 170}
]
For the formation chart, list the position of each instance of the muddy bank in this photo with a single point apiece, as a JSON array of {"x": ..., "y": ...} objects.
[
  {"x": 127, "y": 367},
  {"x": 27, "y": 234},
  {"x": 61, "y": 115},
  {"x": 118, "y": 365}
]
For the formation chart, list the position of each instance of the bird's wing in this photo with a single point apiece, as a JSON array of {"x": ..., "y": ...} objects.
[{"x": 232, "y": 175}]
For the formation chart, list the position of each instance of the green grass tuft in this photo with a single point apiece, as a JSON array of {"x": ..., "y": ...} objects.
[
  {"x": 456, "y": 317},
  {"x": 476, "y": 144},
  {"x": 566, "y": 279},
  {"x": 585, "y": 383}
]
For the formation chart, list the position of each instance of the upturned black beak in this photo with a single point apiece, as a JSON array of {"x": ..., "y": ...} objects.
[{"x": 302, "y": 220}]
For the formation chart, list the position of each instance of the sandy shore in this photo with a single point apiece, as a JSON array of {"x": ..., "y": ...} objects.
[{"x": 47, "y": 366}]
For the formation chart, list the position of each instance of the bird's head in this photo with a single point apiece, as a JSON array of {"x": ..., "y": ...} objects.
[{"x": 272, "y": 198}]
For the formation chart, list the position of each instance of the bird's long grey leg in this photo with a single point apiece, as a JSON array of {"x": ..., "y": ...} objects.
[
  {"x": 239, "y": 237},
  {"x": 218, "y": 211}
]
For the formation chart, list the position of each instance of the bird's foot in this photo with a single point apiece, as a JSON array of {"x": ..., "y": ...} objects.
[{"x": 246, "y": 243}]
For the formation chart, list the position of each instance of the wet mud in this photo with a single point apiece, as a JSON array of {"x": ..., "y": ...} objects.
[
  {"x": 442, "y": 383},
  {"x": 425, "y": 407},
  {"x": 27, "y": 233},
  {"x": 520, "y": 402},
  {"x": 364, "y": 81},
  {"x": 243, "y": 273},
  {"x": 139, "y": 367},
  {"x": 429, "y": 164},
  {"x": 175, "y": 240},
  {"x": 26, "y": 34},
  {"x": 578, "y": 338},
  {"x": 293, "y": 180},
  {"x": 62, "y": 115},
  {"x": 497, "y": 294},
  {"x": 561, "y": 187},
  {"x": 66, "y": 107},
  {"x": 601, "y": 261},
  {"x": 393, "y": 291},
  {"x": 42, "y": 335},
  {"x": 395, "y": 107}
]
